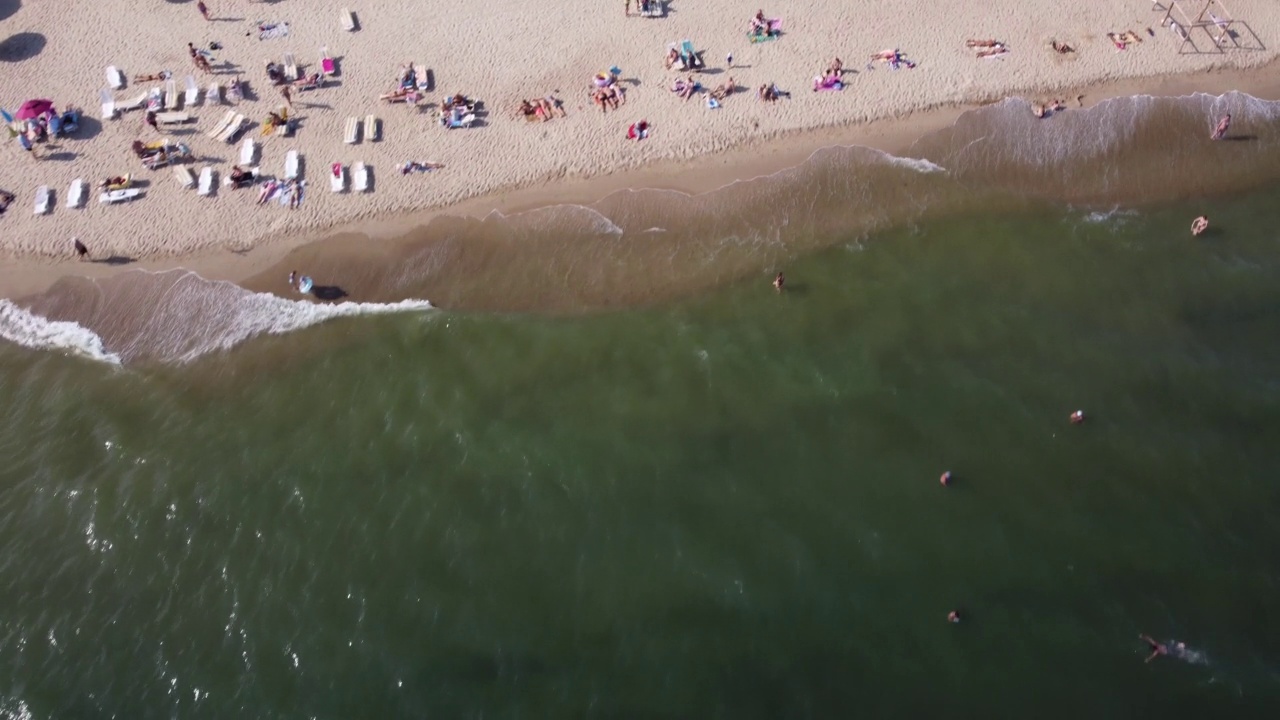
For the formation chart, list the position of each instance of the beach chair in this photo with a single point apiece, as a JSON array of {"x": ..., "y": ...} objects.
[
  {"x": 248, "y": 151},
  {"x": 351, "y": 132},
  {"x": 292, "y": 165},
  {"x": 206, "y": 182},
  {"x": 43, "y": 196},
  {"x": 192, "y": 96},
  {"x": 348, "y": 20},
  {"x": 217, "y": 130},
  {"x": 172, "y": 118},
  {"x": 360, "y": 177},
  {"x": 184, "y": 175},
  {"x": 135, "y": 103},
  {"x": 337, "y": 178},
  {"x": 108, "y": 104},
  {"x": 172, "y": 100},
  {"x": 328, "y": 68},
  {"x": 75, "y": 193},
  {"x": 233, "y": 129},
  {"x": 112, "y": 197},
  {"x": 370, "y": 128},
  {"x": 213, "y": 96},
  {"x": 115, "y": 78},
  {"x": 290, "y": 67}
]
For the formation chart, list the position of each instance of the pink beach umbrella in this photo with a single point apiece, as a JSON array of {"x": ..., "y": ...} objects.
[{"x": 32, "y": 109}]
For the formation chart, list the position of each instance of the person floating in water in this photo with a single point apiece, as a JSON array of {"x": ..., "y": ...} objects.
[
  {"x": 1077, "y": 417},
  {"x": 953, "y": 616},
  {"x": 1221, "y": 131},
  {"x": 1157, "y": 648},
  {"x": 779, "y": 281},
  {"x": 1199, "y": 225},
  {"x": 945, "y": 479}
]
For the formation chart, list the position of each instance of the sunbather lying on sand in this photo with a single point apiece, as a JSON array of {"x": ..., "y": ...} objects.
[
  {"x": 275, "y": 73},
  {"x": 835, "y": 68},
  {"x": 413, "y": 166},
  {"x": 684, "y": 87},
  {"x": 993, "y": 51},
  {"x": 982, "y": 43},
  {"x": 1123, "y": 40},
  {"x": 1061, "y": 48},
  {"x": 673, "y": 57},
  {"x": 1043, "y": 110},
  {"x": 540, "y": 109},
  {"x": 312, "y": 80},
  {"x": 723, "y": 91},
  {"x": 162, "y": 75},
  {"x": 405, "y": 95},
  {"x": 608, "y": 97}
]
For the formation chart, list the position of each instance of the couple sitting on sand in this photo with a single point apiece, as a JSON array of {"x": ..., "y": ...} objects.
[
  {"x": 770, "y": 93},
  {"x": 831, "y": 78},
  {"x": 541, "y": 108},
  {"x": 608, "y": 97},
  {"x": 685, "y": 87}
]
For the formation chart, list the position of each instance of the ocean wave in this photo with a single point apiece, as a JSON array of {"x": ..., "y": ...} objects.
[{"x": 25, "y": 328}]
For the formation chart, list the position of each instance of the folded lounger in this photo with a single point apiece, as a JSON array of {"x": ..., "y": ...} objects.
[
  {"x": 115, "y": 78},
  {"x": 351, "y": 133},
  {"x": 108, "y": 104},
  {"x": 172, "y": 101},
  {"x": 192, "y": 95},
  {"x": 248, "y": 151},
  {"x": 206, "y": 181},
  {"x": 360, "y": 177},
  {"x": 291, "y": 165},
  {"x": 290, "y": 67},
  {"x": 43, "y": 196},
  {"x": 114, "y": 196},
  {"x": 185, "y": 176},
  {"x": 370, "y": 128},
  {"x": 348, "y": 20},
  {"x": 75, "y": 193}
]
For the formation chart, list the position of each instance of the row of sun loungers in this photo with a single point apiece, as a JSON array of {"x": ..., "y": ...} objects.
[
  {"x": 351, "y": 131},
  {"x": 229, "y": 127},
  {"x": 359, "y": 177}
]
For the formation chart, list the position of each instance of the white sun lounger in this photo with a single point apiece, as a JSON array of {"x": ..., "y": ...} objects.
[
  {"x": 184, "y": 175},
  {"x": 206, "y": 181},
  {"x": 291, "y": 165},
  {"x": 348, "y": 20},
  {"x": 290, "y": 67},
  {"x": 213, "y": 96},
  {"x": 108, "y": 104},
  {"x": 351, "y": 133},
  {"x": 217, "y": 130},
  {"x": 248, "y": 151},
  {"x": 114, "y": 196},
  {"x": 338, "y": 180},
  {"x": 42, "y": 199},
  {"x": 192, "y": 96},
  {"x": 115, "y": 78},
  {"x": 172, "y": 101},
  {"x": 133, "y": 104},
  {"x": 75, "y": 193},
  {"x": 233, "y": 129},
  {"x": 360, "y": 177},
  {"x": 370, "y": 128},
  {"x": 172, "y": 118}
]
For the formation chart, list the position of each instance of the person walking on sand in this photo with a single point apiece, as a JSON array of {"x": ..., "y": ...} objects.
[
  {"x": 204, "y": 9},
  {"x": 1223, "y": 125},
  {"x": 81, "y": 250},
  {"x": 288, "y": 95},
  {"x": 150, "y": 119},
  {"x": 1199, "y": 225}
]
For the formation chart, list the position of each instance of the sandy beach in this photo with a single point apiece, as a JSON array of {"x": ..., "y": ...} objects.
[{"x": 501, "y": 52}]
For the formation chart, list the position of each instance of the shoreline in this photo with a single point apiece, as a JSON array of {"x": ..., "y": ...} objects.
[{"x": 257, "y": 267}]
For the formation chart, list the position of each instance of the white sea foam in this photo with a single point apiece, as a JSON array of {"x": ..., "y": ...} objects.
[{"x": 22, "y": 327}]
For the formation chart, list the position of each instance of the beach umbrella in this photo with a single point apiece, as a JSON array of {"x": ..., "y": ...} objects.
[{"x": 33, "y": 109}]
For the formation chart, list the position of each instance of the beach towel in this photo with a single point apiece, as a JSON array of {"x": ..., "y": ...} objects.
[
  {"x": 267, "y": 31},
  {"x": 712, "y": 103}
]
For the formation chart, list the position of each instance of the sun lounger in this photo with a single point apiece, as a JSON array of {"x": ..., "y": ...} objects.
[
  {"x": 115, "y": 78},
  {"x": 184, "y": 175},
  {"x": 213, "y": 96},
  {"x": 291, "y": 165},
  {"x": 337, "y": 178},
  {"x": 191, "y": 98},
  {"x": 108, "y": 104},
  {"x": 172, "y": 118},
  {"x": 43, "y": 196},
  {"x": 360, "y": 177},
  {"x": 348, "y": 20},
  {"x": 75, "y": 193},
  {"x": 233, "y": 129},
  {"x": 248, "y": 151},
  {"x": 217, "y": 130},
  {"x": 328, "y": 67},
  {"x": 172, "y": 101},
  {"x": 206, "y": 181},
  {"x": 135, "y": 103},
  {"x": 370, "y": 128},
  {"x": 351, "y": 132},
  {"x": 114, "y": 196},
  {"x": 290, "y": 67}
]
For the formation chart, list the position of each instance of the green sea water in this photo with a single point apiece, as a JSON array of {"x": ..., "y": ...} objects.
[{"x": 722, "y": 507}]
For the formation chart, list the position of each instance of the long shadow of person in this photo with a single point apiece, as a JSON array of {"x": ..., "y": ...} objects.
[{"x": 328, "y": 292}]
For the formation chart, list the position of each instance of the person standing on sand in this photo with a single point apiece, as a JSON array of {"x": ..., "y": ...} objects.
[
  {"x": 150, "y": 119},
  {"x": 81, "y": 250},
  {"x": 288, "y": 95},
  {"x": 204, "y": 9}
]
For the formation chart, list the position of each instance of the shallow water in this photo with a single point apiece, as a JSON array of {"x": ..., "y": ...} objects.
[{"x": 721, "y": 503}]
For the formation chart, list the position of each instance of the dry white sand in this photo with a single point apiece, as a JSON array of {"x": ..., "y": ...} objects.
[{"x": 501, "y": 51}]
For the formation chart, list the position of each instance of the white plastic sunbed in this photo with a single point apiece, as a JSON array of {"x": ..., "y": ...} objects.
[
  {"x": 42, "y": 199},
  {"x": 351, "y": 133},
  {"x": 75, "y": 193},
  {"x": 108, "y": 104},
  {"x": 172, "y": 118},
  {"x": 133, "y": 104},
  {"x": 115, "y": 78},
  {"x": 370, "y": 128},
  {"x": 172, "y": 101},
  {"x": 206, "y": 181},
  {"x": 248, "y": 151},
  {"x": 348, "y": 20},
  {"x": 213, "y": 96},
  {"x": 221, "y": 127},
  {"x": 185, "y": 175},
  {"x": 291, "y": 165},
  {"x": 192, "y": 96},
  {"x": 360, "y": 177},
  {"x": 114, "y": 196},
  {"x": 338, "y": 178},
  {"x": 233, "y": 129},
  {"x": 290, "y": 67}
]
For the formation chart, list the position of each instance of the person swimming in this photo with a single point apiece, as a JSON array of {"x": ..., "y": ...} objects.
[
  {"x": 953, "y": 617},
  {"x": 1199, "y": 225},
  {"x": 1157, "y": 648},
  {"x": 779, "y": 282},
  {"x": 1077, "y": 417},
  {"x": 945, "y": 479},
  {"x": 1223, "y": 125}
]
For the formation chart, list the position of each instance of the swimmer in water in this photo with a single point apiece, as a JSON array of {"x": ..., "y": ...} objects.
[
  {"x": 1157, "y": 649},
  {"x": 779, "y": 281},
  {"x": 1199, "y": 225},
  {"x": 1221, "y": 131},
  {"x": 1077, "y": 417},
  {"x": 945, "y": 479},
  {"x": 953, "y": 616}
]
